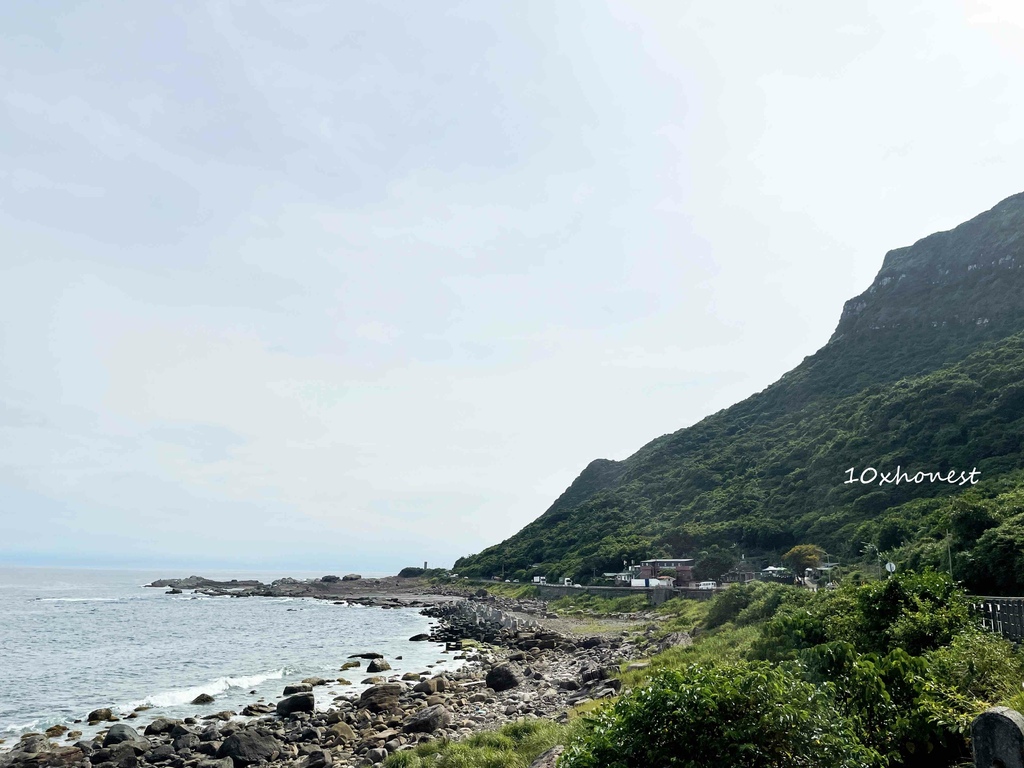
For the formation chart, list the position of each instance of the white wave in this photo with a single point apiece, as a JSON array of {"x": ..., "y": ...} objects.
[
  {"x": 220, "y": 685},
  {"x": 15, "y": 728}
]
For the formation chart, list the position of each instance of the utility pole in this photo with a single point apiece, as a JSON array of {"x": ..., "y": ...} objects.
[{"x": 949, "y": 554}]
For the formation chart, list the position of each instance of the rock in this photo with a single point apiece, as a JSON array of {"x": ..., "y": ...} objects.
[
  {"x": 378, "y": 755},
  {"x": 330, "y": 579},
  {"x": 419, "y": 638},
  {"x": 186, "y": 741},
  {"x": 409, "y": 676},
  {"x": 502, "y": 678},
  {"x": 125, "y": 734},
  {"x": 100, "y": 716},
  {"x": 380, "y": 698},
  {"x": 56, "y": 730},
  {"x": 351, "y": 665},
  {"x": 249, "y": 747},
  {"x": 173, "y": 591},
  {"x": 342, "y": 732},
  {"x": 253, "y": 710},
  {"x": 223, "y": 762},
  {"x": 549, "y": 758},
  {"x": 433, "y": 685},
  {"x": 377, "y": 665},
  {"x": 681, "y": 639},
  {"x": 297, "y": 688},
  {"x": 370, "y": 655},
  {"x": 224, "y": 715},
  {"x": 160, "y": 754},
  {"x": 203, "y": 698},
  {"x": 161, "y": 726},
  {"x": 351, "y": 577},
  {"x": 428, "y": 720},
  {"x": 123, "y": 755},
  {"x": 31, "y": 743},
  {"x": 319, "y": 758},
  {"x": 300, "y": 702},
  {"x": 314, "y": 681}
]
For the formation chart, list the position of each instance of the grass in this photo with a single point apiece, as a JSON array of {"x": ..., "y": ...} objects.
[
  {"x": 598, "y": 606},
  {"x": 726, "y": 643},
  {"x": 514, "y": 745}
]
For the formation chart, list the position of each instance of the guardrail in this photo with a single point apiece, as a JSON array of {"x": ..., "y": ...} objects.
[{"x": 1002, "y": 615}]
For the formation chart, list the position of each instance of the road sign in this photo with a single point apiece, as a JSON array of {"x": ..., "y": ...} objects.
[{"x": 890, "y": 567}]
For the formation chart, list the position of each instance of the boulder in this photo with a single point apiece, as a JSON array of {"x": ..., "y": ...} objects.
[
  {"x": 502, "y": 677},
  {"x": 100, "y": 716},
  {"x": 549, "y": 758},
  {"x": 377, "y": 665},
  {"x": 314, "y": 681},
  {"x": 380, "y": 698},
  {"x": 222, "y": 762},
  {"x": 189, "y": 741},
  {"x": 300, "y": 702},
  {"x": 297, "y": 688},
  {"x": 351, "y": 665},
  {"x": 419, "y": 638},
  {"x": 428, "y": 720},
  {"x": 249, "y": 747},
  {"x": 342, "y": 732},
  {"x": 160, "y": 726},
  {"x": 370, "y": 655},
  {"x": 433, "y": 685},
  {"x": 125, "y": 734},
  {"x": 319, "y": 758},
  {"x": 351, "y": 577},
  {"x": 203, "y": 698}
]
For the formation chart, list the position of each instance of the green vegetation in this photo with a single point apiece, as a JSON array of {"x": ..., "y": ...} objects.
[
  {"x": 768, "y": 482},
  {"x": 515, "y": 745},
  {"x": 882, "y": 674},
  {"x": 598, "y": 606}
]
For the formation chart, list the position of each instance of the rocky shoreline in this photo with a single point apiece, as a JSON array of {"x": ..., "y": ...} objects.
[
  {"x": 388, "y": 591},
  {"x": 514, "y": 668}
]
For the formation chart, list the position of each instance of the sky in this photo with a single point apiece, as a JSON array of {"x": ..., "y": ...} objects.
[{"x": 359, "y": 285}]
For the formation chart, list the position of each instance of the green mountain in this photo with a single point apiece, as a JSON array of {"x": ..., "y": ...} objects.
[{"x": 923, "y": 372}]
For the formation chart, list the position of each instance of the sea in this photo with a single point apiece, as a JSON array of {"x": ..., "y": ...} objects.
[{"x": 75, "y": 640}]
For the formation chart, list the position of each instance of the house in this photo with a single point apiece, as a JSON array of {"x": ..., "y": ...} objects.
[
  {"x": 776, "y": 573},
  {"x": 651, "y": 569},
  {"x": 739, "y": 574}
]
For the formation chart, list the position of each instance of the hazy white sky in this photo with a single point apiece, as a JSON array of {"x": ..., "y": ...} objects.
[{"x": 357, "y": 285}]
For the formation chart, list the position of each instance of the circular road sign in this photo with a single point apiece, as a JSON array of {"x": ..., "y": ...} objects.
[{"x": 890, "y": 567}]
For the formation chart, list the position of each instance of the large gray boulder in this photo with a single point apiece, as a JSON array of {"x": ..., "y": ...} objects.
[
  {"x": 428, "y": 720},
  {"x": 161, "y": 726},
  {"x": 300, "y": 702},
  {"x": 249, "y": 747},
  {"x": 377, "y": 665},
  {"x": 120, "y": 733},
  {"x": 382, "y": 697},
  {"x": 502, "y": 677}
]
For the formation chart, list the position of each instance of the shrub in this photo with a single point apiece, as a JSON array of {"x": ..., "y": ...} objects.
[{"x": 742, "y": 715}]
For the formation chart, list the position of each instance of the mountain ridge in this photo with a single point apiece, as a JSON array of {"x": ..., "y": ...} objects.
[{"x": 932, "y": 306}]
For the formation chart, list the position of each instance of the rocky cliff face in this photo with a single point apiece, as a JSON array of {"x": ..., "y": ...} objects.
[{"x": 971, "y": 276}]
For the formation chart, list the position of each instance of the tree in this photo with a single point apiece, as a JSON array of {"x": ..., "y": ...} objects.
[{"x": 803, "y": 556}]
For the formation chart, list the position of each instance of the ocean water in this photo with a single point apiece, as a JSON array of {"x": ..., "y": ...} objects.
[{"x": 76, "y": 640}]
